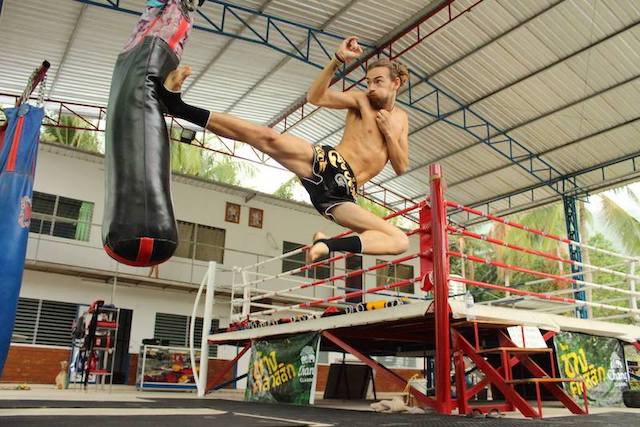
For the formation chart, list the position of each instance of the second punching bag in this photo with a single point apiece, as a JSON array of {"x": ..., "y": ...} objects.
[{"x": 139, "y": 226}]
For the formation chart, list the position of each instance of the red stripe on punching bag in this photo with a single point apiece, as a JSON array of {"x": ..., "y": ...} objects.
[
  {"x": 179, "y": 34},
  {"x": 123, "y": 260},
  {"x": 145, "y": 250},
  {"x": 150, "y": 27},
  {"x": 13, "y": 153}
]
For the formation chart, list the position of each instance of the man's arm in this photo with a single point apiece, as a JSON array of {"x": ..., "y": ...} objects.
[
  {"x": 319, "y": 93},
  {"x": 396, "y": 135}
]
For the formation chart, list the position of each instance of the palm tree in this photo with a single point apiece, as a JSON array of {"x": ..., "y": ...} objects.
[
  {"x": 549, "y": 218},
  {"x": 225, "y": 169},
  {"x": 68, "y": 134},
  {"x": 621, "y": 221},
  {"x": 194, "y": 160},
  {"x": 377, "y": 210},
  {"x": 287, "y": 189},
  {"x": 186, "y": 159}
]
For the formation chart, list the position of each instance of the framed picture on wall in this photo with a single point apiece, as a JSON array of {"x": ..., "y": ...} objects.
[
  {"x": 255, "y": 217},
  {"x": 232, "y": 213}
]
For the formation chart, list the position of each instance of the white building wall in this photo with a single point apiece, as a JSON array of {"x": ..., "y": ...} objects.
[{"x": 68, "y": 173}]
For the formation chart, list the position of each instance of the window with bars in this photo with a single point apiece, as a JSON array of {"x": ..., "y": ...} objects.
[
  {"x": 200, "y": 242},
  {"x": 397, "y": 362},
  {"x": 298, "y": 260},
  {"x": 395, "y": 273},
  {"x": 175, "y": 329},
  {"x": 44, "y": 322},
  {"x": 61, "y": 216}
]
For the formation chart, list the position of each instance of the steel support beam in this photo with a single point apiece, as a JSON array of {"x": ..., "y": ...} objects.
[
  {"x": 475, "y": 50},
  {"x": 434, "y": 102},
  {"x": 407, "y": 28},
  {"x": 632, "y": 162},
  {"x": 222, "y": 51},
  {"x": 554, "y": 388},
  {"x": 480, "y": 175},
  {"x": 573, "y": 233},
  {"x": 285, "y": 60},
  {"x": 220, "y": 375},
  {"x": 545, "y": 68},
  {"x": 494, "y": 376},
  {"x": 264, "y": 29},
  {"x": 381, "y": 370},
  {"x": 67, "y": 49},
  {"x": 526, "y": 123},
  {"x": 484, "y": 132}
]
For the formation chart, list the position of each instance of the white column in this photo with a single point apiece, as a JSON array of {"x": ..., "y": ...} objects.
[
  {"x": 632, "y": 287},
  {"x": 246, "y": 296}
]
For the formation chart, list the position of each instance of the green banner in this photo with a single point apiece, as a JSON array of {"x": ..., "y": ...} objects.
[
  {"x": 283, "y": 370},
  {"x": 633, "y": 364},
  {"x": 597, "y": 360}
]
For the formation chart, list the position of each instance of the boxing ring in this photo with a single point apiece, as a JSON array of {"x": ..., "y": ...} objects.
[{"x": 377, "y": 321}]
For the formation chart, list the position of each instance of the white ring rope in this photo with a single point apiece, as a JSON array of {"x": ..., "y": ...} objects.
[
  {"x": 276, "y": 258},
  {"x": 311, "y": 266},
  {"x": 368, "y": 291},
  {"x": 270, "y": 306},
  {"x": 331, "y": 279},
  {"x": 346, "y": 233},
  {"x": 532, "y": 230}
]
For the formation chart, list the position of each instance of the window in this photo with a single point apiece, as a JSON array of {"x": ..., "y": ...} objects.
[
  {"x": 24, "y": 330},
  {"x": 395, "y": 273},
  {"x": 397, "y": 362},
  {"x": 61, "y": 216},
  {"x": 298, "y": 260},
  {"x": 175, "y": 329},
  {"x": 186, "y": 238},
  {"x": 44, "y": 322},
  {"x": 207, "y": 243},
  {"x": 210, "y": 243}
]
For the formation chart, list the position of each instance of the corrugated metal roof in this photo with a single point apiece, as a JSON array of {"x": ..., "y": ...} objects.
[{"x": 561, "y": 76}]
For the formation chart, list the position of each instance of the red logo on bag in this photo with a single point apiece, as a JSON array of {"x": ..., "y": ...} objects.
[{"x": 24, "y": 219}]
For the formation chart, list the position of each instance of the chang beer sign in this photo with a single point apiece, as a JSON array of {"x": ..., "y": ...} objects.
[
  {"x": 598, "y": 361},
  {"x": 283, "y": 370}
]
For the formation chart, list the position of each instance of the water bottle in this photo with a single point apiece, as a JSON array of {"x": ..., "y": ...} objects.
[{"x": 469, "y": 302}]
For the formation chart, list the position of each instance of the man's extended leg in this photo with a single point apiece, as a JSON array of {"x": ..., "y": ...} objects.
[
  {"x": 295, "y": 154},
  {"x": 377, "y": 236}
]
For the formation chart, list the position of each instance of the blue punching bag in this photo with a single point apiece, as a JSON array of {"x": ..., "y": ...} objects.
[{"x": 18, "y": 152}]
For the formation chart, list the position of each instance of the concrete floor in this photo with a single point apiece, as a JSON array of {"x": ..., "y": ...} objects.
[{"x": 45, "y": 400}]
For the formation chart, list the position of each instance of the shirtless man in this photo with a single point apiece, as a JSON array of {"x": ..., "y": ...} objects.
[{"x": 376, "y": 131}]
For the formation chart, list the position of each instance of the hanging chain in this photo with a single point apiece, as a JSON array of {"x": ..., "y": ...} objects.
[{"x": 41, "y": 91}]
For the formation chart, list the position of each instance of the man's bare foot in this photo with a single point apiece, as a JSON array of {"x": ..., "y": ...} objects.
[
  {"x": 176, "y": 78},
  {"x": 318, "y": 250}
]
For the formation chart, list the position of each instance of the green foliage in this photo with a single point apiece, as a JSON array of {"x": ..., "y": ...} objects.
[
  {"x": 623, "y": 223},
  {"x": 287, "y": 189},
  {"x": 69, "y": 134},
  {"x": 551, "y": 219},
  {"x": 612, "y": 263},
  {"x": 376, "y": 209},
  {"x": 195, "y": 161}
]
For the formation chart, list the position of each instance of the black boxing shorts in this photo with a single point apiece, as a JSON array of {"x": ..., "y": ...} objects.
[{"x": 332, "y": 182}]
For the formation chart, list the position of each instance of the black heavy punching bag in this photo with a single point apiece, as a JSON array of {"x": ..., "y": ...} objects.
[{"x": 139, "y": 226}]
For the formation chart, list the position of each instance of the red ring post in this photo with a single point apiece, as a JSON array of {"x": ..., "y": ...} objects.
[{"x": 441, "y": 291}]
